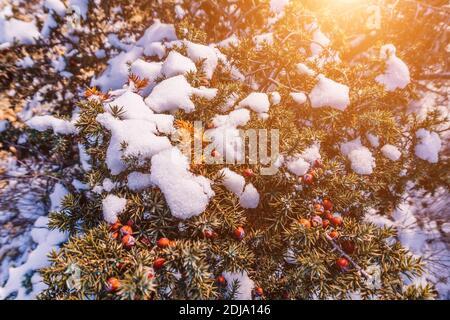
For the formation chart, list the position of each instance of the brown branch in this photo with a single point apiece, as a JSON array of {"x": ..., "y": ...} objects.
[{"x": 335, "y": 246}]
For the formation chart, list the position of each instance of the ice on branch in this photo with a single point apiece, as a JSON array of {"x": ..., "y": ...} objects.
[{"x": 246, "y": 284}]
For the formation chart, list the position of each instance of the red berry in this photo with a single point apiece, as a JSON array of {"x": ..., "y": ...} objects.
[
  {"x": 112, "y": 284},
  {"x": 163, "y": 242},
  {"x": 259, "y": 291},
  {"x": 248, "y": 173},
  {"x": 327, "y": 204},
  {"x": 115, "y": 235},
  {"x": 239, "y": 233},
  {"x": 221, "y": 280},
  {"x": 337, "y": 221},
  {"x": 209, "y": 234},
  {"x": 325, "y": 223},
  {"x": 121, "y": 265},
  {"x": 318, "y": 208},
  {"x": 333, "y": 234},
  {"x": 308, "y": 178},
  {"x": 126, "y": 230},
  {"x": 159, "y": 263},
  {"x": 328, "y": 215},
  {"x": 130, "y": 223},
  {"x": 115, "y": 226},
  {"x": 342, "y": 263},
  {"x": 128, "y": 241},
  {"x": 348, "y": 246},
  {"x": 305, "y": 223}
]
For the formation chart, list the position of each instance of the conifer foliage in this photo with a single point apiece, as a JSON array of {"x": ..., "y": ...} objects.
[{"x": 154, "y": 221}]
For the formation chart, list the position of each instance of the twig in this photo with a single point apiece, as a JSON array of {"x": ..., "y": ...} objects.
[{"x": 335, "y": 246}]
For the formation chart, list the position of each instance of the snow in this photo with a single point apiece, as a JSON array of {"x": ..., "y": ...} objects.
[
  {"x": 146, "y": 70},
  {"x": 249, "y": 199},
  {"x": 139, "y": 181},
  {"x": 396, "y": 74},
  {"x": 116, "y": 74},
  {"x": 80, "y": 6},
  {"x": 175, "y": 93},
  {"x": 59, "y": 126},
  {"x": 232, "y": 181},
  {"x": 429, "y": 145},
  {"x": 246, "y": 285},
  {"x": 298, "y": 166},
  {"x": 177, "y": 64},
  {"x": 265, "y": 38},
  {"x": 112, "y": 206},
  {"x": 373, "y": 140},
  {"x": 140, "y": 138},
  {"x": 349, "y": 146},
  {"x": 391, "y": 152},
  {"x": 329, "y": 93},
  {"x": 134, "y": 107},
  {"x": 228, "y": 42},
  {"x": 277, "y": 6},
  {"x": 312, "y": 153},
  {"x": 319, "y": 40},
  {"x": 84, "y": 158},
  {"x": 256, "y": 101},
  {"x": 47, "y": 241},
  {"x": 26, "y": 62},
  {"x": 198, "y": 52},
  {"x": 235, "y": 118},
  {"x": 17, "y": 30},
  {"x": 298, "y": 97},
  {"x": 304, "y": 69},
  {"x": 157, "y": 32},
  {"x": 362, "y": 161},
  {"x": 226, "y": 138},
  {"x": 187, "y": 195},
  {"x": 275, "y": 98},
  {"x": 155, "y": 49},
  {"x": 56, "y": 6}
]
